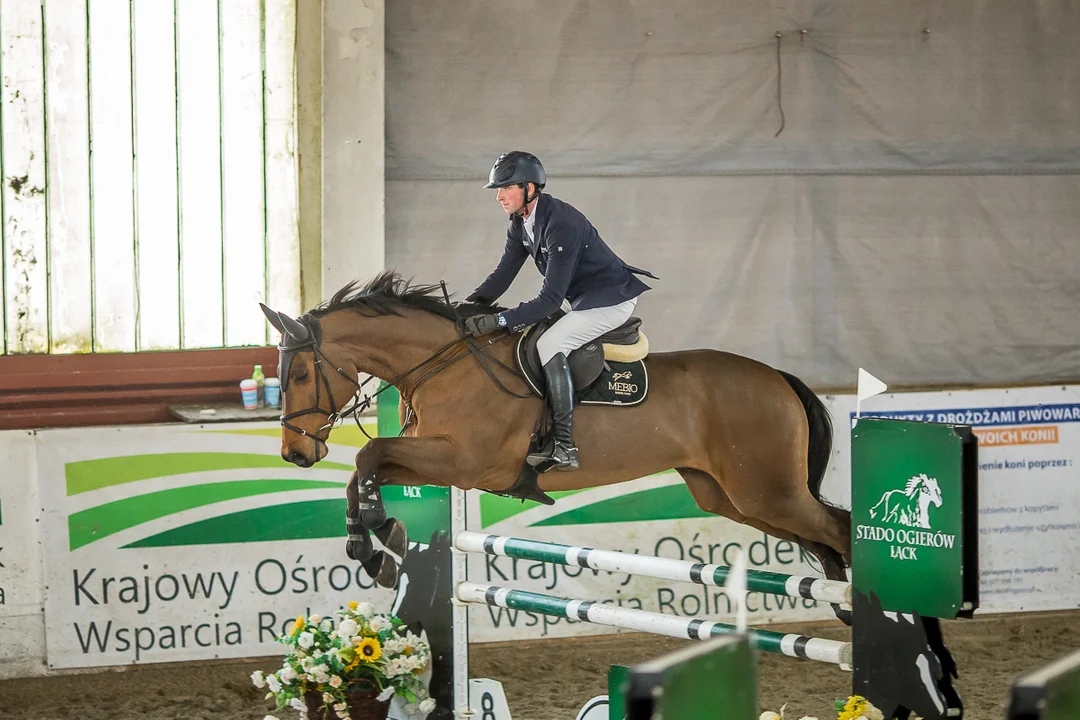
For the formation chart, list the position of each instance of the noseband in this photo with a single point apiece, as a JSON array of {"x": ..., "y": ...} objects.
[{"x": 287, "y": 349}]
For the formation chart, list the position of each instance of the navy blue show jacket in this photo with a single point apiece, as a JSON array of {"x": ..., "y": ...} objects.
[{"x": 576, "y": 264}]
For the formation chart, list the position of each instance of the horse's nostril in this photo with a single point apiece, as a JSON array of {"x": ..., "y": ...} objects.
[{"x": 297, "y": 458}]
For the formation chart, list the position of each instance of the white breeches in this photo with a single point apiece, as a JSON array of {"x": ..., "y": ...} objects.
[{"x": 578, "y": 327}]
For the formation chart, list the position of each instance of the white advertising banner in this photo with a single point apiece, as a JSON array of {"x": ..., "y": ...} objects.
[
  {"x": 1029, "y": 484},
  {"x": 176, "y": 542},
  {"x": 22, "y": 625},
  {"x": 188, "y": 542}
]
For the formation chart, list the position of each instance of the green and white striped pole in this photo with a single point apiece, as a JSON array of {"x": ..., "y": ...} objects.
[
  {"x": 830, "y": 591},
  {"x": 792, "y": 645}
]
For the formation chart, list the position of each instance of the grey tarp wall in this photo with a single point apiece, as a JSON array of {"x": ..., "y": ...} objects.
[{"x": 917, "y": 214}]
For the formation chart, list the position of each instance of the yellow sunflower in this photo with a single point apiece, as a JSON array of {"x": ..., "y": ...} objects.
[
  {"x": 299, "y": 622},
  {"x": 369, "y": 650},
  {"x": 853, "y": 708},
  {"x": 353, "y": 604}
]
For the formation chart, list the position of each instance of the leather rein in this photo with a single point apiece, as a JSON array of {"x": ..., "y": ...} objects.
[{"x": 431, "y": 367}]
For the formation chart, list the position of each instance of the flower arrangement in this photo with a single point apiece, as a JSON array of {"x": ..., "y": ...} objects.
[
  {"x": 326, "y": 665},
  {"x": 855, "y": 707}
]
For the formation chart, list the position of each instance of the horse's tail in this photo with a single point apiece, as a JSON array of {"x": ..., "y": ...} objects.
[{"x": 819, "y": 449}]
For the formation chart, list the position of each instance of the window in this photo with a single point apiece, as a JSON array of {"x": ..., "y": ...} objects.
[{"x": 149, "y": 195}]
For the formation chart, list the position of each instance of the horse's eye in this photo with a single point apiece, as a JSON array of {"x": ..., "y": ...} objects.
[{"x": 301, "y": 378}]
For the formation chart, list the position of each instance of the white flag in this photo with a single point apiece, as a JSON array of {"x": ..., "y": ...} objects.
[{"x": 869, "y": 386}]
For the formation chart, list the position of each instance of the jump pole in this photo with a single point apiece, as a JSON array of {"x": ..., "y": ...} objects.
[
  {"x": 810, "y": 588},
  {"x": 798, "y": 646}
]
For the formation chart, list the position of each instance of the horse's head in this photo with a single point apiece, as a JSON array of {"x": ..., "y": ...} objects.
[
  {"x": 312, "y": 399},
  {"x": 933, "y": 490}
]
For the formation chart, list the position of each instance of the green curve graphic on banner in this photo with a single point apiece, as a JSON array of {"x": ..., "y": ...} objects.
[
  {"x": 291, "y": 521},
  {"x": 106, "y": 472},
  {"x": 95, "y": 523},
  {"x": 495, "y": 509},
  {"x": 672, "y": 502},
  {"x": 346, "y": 435}
]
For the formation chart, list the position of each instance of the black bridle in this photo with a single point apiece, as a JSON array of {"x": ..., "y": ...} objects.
[{"x": 311, "y": 341}]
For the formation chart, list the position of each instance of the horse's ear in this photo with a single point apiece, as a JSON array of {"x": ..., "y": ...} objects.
[
  {"x": 273, "y": 317},
  {"x": 297, "y": 331}
]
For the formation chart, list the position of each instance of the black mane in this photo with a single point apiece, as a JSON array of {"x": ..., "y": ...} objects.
[{"x": 387, "y": 292}]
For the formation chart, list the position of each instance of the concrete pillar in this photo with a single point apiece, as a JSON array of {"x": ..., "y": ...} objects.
[
  {"x": 353, "y": 142},
  {"x": 309, "y": 95}
]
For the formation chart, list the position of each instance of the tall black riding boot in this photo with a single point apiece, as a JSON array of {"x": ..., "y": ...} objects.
[{"x": 560, "y": 392}]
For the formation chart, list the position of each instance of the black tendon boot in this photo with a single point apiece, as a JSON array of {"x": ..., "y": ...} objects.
[{"x": 560, "y": 392}]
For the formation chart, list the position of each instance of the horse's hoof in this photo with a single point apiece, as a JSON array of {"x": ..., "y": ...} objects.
[
  {"x": 394, "y": 537},
  {"x": 359, "y": 547},
  {"x": 842, "y": 615},
  {"x": 383, "y": 569}
]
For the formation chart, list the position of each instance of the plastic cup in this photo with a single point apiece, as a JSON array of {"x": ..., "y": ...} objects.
[
  {"x": 272, "y": 392},
  {"x": 249, "y": 393}
]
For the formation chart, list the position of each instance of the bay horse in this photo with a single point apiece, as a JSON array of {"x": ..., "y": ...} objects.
[{"x": 752, "y": 443}]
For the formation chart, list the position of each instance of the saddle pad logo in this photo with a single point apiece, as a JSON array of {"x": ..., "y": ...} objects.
[
  {"x": 911, "y": 506},
  {"x": 623, "y": 384}
]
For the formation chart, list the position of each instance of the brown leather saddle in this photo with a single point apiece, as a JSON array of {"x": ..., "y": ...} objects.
[{"x": 625, "y": 343}]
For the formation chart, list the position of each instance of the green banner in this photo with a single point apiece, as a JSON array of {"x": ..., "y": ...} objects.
[
  {"x": 1049, "y": 693},
  {"x": 424, "y": 510},
  {"x": 908, "y": 515},
  {"x": 717, "y": 678}
]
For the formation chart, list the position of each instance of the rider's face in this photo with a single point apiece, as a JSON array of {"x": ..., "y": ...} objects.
[{"x": 511, "y": 198}]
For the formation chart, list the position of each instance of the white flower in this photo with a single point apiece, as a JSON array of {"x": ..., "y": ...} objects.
[
  {"x": 380, "y": 623},
  {"x": 410, "y": 708},
  {"x": 328, "y": 698},
  {"x": 270, "y": 717},
  {"x": 427, "y": 706},
  {"x": 258, "y": 679},
  {"x": 307, "y": 663},
  {"x": 347, "y": 628},
  {"x": 872, "y": 713},
  {"x": 273, "y": 683},
  {"x": 365, "y": 609},
  {"x": 319, "y": 674},
  {"x": 287, "y": 674},
  {"x": 341, "y": 707},
  {"x": 314, "y": 619},
  {"x": 386, "y": 694},
  {"x": 396, "y": 667},
  {"x": 769, "y": 715},
  {"x": 335, "y": 681},
  {"x": 326, "y": 625},
  {"x": 298, "y": 704},
  {"x": 306, "y": 640}
]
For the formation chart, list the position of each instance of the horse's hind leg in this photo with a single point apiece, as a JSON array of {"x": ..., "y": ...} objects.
[
  {"x": 825, "y": 530},
  {"x": 794, "y": 513},
  {"x": 711, "y": 498}
]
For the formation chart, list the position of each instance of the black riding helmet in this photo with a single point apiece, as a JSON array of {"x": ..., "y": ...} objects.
[{"x": 517, "y": 168}]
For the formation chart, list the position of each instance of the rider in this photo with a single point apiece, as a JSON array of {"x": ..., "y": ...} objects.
[{"x": 582, "y": 276}]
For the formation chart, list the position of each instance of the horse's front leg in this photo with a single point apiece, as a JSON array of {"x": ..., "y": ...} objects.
[{"x": 405, "y": 461}]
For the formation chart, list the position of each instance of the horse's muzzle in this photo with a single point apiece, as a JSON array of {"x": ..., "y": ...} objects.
[{"x": 297, "y": 458}]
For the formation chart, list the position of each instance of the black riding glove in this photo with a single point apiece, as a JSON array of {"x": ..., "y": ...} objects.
[{"x": 478, "y": 325}]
